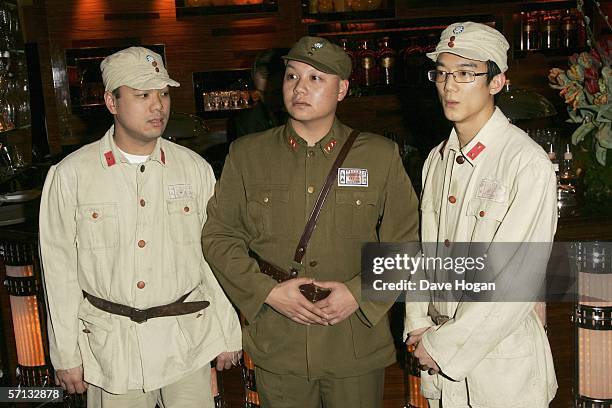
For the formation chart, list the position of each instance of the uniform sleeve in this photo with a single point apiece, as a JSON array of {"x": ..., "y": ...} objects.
[
  {"x": 63, "y": 294},
  {"x": 417, "y": 309},
  {"x": 225, "y": 241},
  {"x": 399, "y": 223},
  {"x": 227, "y": 316},
  {"x": 478, "y": 327}
]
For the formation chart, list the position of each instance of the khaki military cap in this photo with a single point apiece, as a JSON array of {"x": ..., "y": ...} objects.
[
  {"x": 473, "y": 41},
  {"x": 136, "y": 67},
  {"x": 321, "y": 54}
]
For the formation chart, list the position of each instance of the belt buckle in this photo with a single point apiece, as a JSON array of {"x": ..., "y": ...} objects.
[{"x": 138, "y": 315}]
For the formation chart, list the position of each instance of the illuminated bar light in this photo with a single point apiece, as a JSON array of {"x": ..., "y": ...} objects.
[
  {"x": 22, "y": 284},
  {"x": 593, "y": 320}
]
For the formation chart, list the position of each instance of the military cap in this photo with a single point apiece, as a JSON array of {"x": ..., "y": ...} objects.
[
  {"x": 136, "y": 67},
  {"x": 473, "y": 41},
  {"x": 322, "y": 55}
]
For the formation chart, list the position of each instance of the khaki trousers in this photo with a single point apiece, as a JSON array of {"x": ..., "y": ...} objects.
[
  {"x": 191, "y": 391},
  {"x": 289, "y": 391}
]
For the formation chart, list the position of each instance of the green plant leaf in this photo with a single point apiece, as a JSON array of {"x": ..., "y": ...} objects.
[
  {"x": 604, "y": 136},
  {"x": 605, "y": 113},
  {"x": 600, "y": 154},
  {"x": 582, "y": 131}
]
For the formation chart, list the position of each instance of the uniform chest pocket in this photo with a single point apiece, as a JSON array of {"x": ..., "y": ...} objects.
[
  {"x": 184, "y": 223},
  {"x": 488, "y": 214},
  {"x": 268, "y": 208},
  {"x": 356, "y": 213},
  {"x": 97, "y": 226}
]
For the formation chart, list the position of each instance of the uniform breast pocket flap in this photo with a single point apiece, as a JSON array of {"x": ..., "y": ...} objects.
[
  {"x": 97, "y": 226},
  {"x": 184, "y": 224},
  {"x": 487, "y": 209},
  {"x": 267, "y": 207},
  {"x": 356, "y": 213},
  {"x": 268, "y": 195}
]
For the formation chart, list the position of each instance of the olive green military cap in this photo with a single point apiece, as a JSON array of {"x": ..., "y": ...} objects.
[
  {"x": 136, "y": 67},
  {"x": 322, "y": 55}
]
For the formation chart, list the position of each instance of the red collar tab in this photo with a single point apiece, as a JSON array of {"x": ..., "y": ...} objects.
[
  {"x": 162, "y": 155},
  {"x": 330, "y": 145},
  {"x": 476, "y": 150},
  {"x": 292, "y": 143},
  {"x": 110, "y": 158}
]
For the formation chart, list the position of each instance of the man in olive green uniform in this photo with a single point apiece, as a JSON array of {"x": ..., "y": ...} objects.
[{"x": 331, "y": 353}]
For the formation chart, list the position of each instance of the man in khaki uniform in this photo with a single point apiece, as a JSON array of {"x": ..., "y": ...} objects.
[
  {"x": 126, "y": 282},
  {"x": 489, "y": 182},
  {"x": 331, "y": 353}
]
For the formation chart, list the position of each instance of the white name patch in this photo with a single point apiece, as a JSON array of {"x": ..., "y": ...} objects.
[
  {"x": 352, "y": 177},
  {"x": 180, "y": 191},
  {"x": 492, "y": 190}
]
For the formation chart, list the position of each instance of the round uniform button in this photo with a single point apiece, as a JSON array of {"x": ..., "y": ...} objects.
[
  {"x": 266, "y": 199},
  {"x": 186, "y": 209},
  {"x": 141, "y": 243},
  {"x": 358, "y": 202},
  {"x": 94, "y": 215},
  {"x": 446, "y": 243},
  {"x": 310, "y": 153},
  {"x": 313, "y": 263},
  {"x": 142, "y": 202},
  {"x": 86, "y": 331},
  {"x": 310, "y": 189},
  {"x": 482, "y": 213},
  {"x": 140, "y": 285},
  {"x": 460, "y": 160},
  {"x": 452, "y": 199},
  {"x": 142, "y": 168}
]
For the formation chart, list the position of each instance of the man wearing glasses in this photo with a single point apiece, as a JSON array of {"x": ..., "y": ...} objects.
[{"x": 488, "y": 182}]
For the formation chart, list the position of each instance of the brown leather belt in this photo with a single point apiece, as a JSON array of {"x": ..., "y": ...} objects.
[{"x": 142, "y": 315}]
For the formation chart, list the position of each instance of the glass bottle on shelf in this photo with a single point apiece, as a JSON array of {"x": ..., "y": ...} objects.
[
  {"x": 351, "y": 54},
  {"x": 553, "y": 158},
  {"x": 366, "y": 62},
  {"x": 23, "y": 93},
  {"x": 325, "y": 6},
  {"x": 313, "y": 6},
  {"x": 566, "y": 190},
  {"x": 572, "y": 30},
  {"x": 386, "y": 62},
  {"x": 412, "y": 63},
  {"x": 5, "y": 110},
  {"x": 568, "y": 174},
  {"x": 549, "y": 30},
  {"x": 531, "y": 32}
]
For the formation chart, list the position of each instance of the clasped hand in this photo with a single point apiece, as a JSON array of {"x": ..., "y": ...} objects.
[
  {"x": 425, "y": 361},
  {"x": 286, "y": 299}
]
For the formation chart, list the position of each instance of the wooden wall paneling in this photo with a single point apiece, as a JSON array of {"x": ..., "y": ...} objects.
[{"x": 192, "y": 43}]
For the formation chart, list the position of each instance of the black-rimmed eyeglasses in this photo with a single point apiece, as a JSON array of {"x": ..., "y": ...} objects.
[{"x": 461, "y": 76}]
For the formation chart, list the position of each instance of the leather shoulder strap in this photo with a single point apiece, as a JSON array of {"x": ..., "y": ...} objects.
[{"x": 316, "y": 211}]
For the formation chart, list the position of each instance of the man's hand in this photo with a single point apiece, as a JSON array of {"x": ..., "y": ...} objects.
[
  {"x": 228, "y": 359},
  {"x": 340, "y": 303},
  {"x": 414, "y": 338},
  {"x": 71, "y": 380},
  {"x": 287, "y": 299},
  {"x": 425, "y": 360}
]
